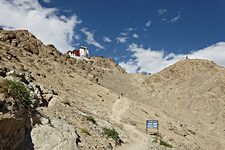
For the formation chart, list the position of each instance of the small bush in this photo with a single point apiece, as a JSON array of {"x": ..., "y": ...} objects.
[
  {"x": 111, "y": 133},
  {"x": 85, "y": 131},
  {"x": 18, "y": 91},
  {"x": 165, "y": 144},
  {"x": 91, "y": 119}
]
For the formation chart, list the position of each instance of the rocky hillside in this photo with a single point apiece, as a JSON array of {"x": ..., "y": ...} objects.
[
  {"x": 192, "y": 91},
  {"x": 187, "y": 98},
  {"x": 65, "y": 112},
  {"x": 95, "y": 104}
]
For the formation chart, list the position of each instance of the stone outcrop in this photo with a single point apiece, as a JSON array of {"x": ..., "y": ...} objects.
[
  {"x": 15, "y": 131},
  {"x": 15, "y": 121},
  {"x": 60, "y": 135},
  {"x": 21, "y": 39}
]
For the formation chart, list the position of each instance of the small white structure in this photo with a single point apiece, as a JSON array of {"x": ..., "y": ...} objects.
[{"x": 81, "y": 53}]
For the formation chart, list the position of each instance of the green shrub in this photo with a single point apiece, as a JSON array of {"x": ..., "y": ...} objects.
[
  {"x": 111, "y": 133},
  {"x": 84, "y": 130},
  {"x": 91, "y": 119},
  {"x": 18, "y": 92},
  {"x": 165, "y": 144}
]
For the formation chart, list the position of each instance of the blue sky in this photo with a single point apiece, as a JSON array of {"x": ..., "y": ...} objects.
[
  {"x": 141, "y": 35},
  {"x": 200, "y": 23}
]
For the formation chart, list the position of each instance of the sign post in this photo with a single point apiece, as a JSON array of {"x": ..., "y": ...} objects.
[{"x": 152, "y": 124}]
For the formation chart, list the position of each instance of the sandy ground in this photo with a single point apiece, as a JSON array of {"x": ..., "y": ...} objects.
[{"x": 138, "y": 139}]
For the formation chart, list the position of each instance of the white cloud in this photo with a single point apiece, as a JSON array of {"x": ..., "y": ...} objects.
[
  {"x": 162, "y": 11},
  {"x": 148, "y": 24},
  {"x": 152, "y": 61},
  {"x": 90, "y": 38},
  {"x": 126, "y": 31},
  {"x": 214, "y": 52},
  {"x": 45, "y": 23},
  {"x": 124, "y": 34},
  {"x": 77, "y": 37},
  {"x": 121, "y": 39},
  {"x": 130, "y": 66},
  {"x": 174, "y": 19},
  {"x": 146, "y": 60},
  {"x": 135, "y": 36},
  {"x": 129, "y": 29},
  {"x": 107, "y": 39},
  {"x": 163, "y": 19},
  {"x": 46, "y": 1}
]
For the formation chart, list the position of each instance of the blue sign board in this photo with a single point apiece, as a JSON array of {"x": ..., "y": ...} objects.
[{"x": 152, "y": 124}]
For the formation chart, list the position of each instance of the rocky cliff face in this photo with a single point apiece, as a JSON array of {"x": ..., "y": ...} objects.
[
  {"x": 14, "y": 132},
  {"x": 16, "y": 118}
]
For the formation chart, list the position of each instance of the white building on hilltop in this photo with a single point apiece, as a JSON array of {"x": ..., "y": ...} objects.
[{"x": 81, "y": 53}]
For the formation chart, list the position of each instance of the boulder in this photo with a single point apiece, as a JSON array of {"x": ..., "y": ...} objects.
[{"x": 60, "y": 135}]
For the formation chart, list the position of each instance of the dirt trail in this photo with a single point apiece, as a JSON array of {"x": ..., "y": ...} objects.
[{"x": 138, "y": 139}]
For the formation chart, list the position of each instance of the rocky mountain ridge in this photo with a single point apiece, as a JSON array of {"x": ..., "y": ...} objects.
[{"x": 78, "y": 103}]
